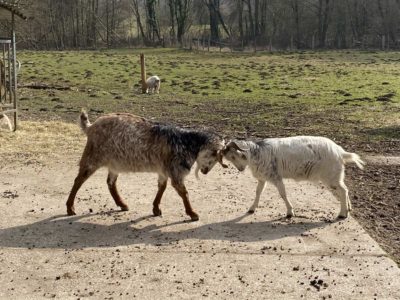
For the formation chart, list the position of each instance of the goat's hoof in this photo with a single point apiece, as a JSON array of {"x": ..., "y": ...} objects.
[
  {"x": 342, "y": 216},
  {"x": 250, "y": 211},
  {"x": 124, "y": 208},
  {"x": 289, "y": 216},
  {"x": 194, "y": 217},
  {"x": 157, "y": 212},
  {"x": 71, "y": 212}
]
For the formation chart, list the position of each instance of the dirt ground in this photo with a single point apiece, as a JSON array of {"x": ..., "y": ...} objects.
[
  {"x": 103, "y": 253},
  {"x": 375, "y": 194}
]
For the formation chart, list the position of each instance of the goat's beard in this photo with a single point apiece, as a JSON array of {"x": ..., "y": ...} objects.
[{"x": 196, "y": 172}]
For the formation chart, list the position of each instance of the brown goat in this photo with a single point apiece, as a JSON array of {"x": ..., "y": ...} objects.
[{"x": 128, "y": 143}]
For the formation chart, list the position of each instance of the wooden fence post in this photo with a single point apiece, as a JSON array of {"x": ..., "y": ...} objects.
[{"x": 143, "y": 73}]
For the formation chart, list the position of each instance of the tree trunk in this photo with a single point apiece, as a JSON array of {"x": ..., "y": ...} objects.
[
  {"x": 387, "y": 27},
  {"x": 296, "y": 15},
  {"x": 256, "y": 18},
  {"x": 108, "y": 24},
  {"x": 95, "y": 8},
  {"x": 181, "y": 15},
  {"x": 251, "y": 26},
  {"x": 153, "y": 31},
  {"x": 112, "y": 29},
  {"x": 136, "y": 11},
  {"x": 213, "y": 6},
  {"x": 323, "y": 21},
  {"x": 77, "y": 19},
  {"x": 172, "y": 20},
  {"x": 263, "y": 21},
  {"x": 240, "y": 9}
]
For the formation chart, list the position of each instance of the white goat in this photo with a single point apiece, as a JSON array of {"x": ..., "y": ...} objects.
[
  {"x": 153, "y": 84},
  {"x": 300, "y": 158},
  {"x": 5, "y": 122}
]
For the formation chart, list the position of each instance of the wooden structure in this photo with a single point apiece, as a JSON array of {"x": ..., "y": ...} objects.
[
  {"x": 143, "y": 73},
  {"x": 8, "y": 64}
]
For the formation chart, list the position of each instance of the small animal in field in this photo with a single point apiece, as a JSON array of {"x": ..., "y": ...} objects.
[
  {"x": 5, "y": 122},
  {"x": 301, "y": 158},
  {"x": 124, "y": 142},
  {"x": 153, "y": 84}
]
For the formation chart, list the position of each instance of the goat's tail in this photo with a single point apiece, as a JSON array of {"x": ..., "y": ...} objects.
[
  {"x": 84, "y": 122},
  {"x": 354, "y": 158}
]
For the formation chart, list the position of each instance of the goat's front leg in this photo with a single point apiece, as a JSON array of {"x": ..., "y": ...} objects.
[
  {"x": 162, "y": 184},
  {"x": 260, "y": 188},
  {"x": 112, "y": 187},
  {"x": 181, "y": 190},
  {"x": 281, "y": 188}
]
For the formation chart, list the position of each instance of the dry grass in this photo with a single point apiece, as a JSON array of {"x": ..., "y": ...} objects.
[{"x": 38, "y": 142}]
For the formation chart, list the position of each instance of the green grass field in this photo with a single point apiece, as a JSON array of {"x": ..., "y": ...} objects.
[{"x": 350, "y": 96}]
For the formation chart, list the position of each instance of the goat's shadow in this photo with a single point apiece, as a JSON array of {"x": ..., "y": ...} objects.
[{"x": 73, "y": 232}]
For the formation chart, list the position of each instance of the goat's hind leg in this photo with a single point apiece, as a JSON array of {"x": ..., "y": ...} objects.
[
  {"x": 341, "y": 193},
  {"x": 84, "y": 173},
  {"x": 162, "y": 184},
  {"x": 349, "y": 206},
  {"x": 112, "y": 187},
  {"x": 282, "y": 191},
  {"x": 260, "y": 188}
]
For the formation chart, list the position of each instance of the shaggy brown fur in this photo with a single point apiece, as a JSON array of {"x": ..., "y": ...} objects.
[{"x": 129, "y": 143}]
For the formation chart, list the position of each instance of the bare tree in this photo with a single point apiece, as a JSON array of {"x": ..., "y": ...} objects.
[
  {"x": 65, "y": 24},
  {"x": 296, "y": 15},
  {"x": 171, "y": 6},
  {"x": 182, "y": 11},
  {"x": 324, "y": 9},
  {"x": 153, "y": 32},
  {"x": 136, "y": 11}
]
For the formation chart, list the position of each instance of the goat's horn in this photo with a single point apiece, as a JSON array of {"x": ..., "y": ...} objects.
[
  {"x": 219, "y": 157},
  {"x": 196, "y": 172}
]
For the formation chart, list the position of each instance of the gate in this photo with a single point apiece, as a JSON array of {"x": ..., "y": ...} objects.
[{"x": 9, "y": 66}]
